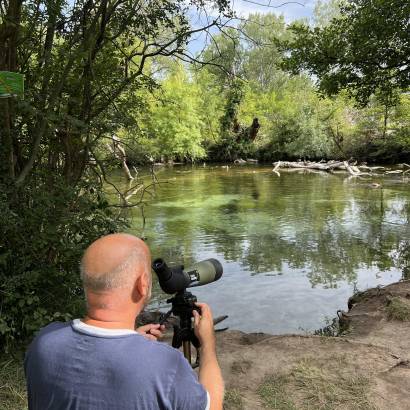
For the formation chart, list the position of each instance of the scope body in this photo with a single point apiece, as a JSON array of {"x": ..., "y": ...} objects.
[{"x": 176, "y": 279}]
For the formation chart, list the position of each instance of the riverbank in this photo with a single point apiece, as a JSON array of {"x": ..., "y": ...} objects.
[{"x": 366, "y": 368}]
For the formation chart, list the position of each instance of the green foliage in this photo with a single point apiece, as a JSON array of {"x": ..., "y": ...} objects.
[
  {"x": 296, "y": 130},
  {"x": 229, "y": 121},
  {"x": 365, "y": 50},
  {"x": 210, "y": 111},
  {"x": 262, "y": 56},
  {"x": 43, "y": 235},
  {"x": 170, "y": 125},
  {"x": 210, "y": 105},
  {"x": 174, "y": 122},
  {"x": 234, "y": 141},
  {"x": 111, "y": 72},
  {"x": 325, "y": 11},
  {"x": 89, "y": 69}
]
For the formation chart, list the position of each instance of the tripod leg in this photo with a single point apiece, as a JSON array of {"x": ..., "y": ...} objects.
[
  {"x": 197, "y": 360},
  {"x": 187, "y": 350}
]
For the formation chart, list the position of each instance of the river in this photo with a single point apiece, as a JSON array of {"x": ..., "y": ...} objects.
[{"x": 293, "y": 248}]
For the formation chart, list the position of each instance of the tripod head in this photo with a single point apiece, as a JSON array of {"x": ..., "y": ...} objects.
[{"x": 183, "y": 304}]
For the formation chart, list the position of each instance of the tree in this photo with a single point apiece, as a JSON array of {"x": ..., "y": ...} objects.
[
  {"x": 365, "y": 50},
  {"x": 174, "y": 125},
  {"x": 262, "y": 56},
  {"x": 325, "y": 11},
  {"x": 82, "y": 62}
]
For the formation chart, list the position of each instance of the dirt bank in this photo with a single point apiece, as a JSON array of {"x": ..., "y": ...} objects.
[{"x": 366, "y": 368}]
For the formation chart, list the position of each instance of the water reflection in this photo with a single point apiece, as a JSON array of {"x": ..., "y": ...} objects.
[{"x": 294, "y": 248}]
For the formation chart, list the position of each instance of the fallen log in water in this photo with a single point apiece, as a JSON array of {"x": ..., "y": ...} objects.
[
  {"x": 396, "y": 171},
  {"x": 371, "y": 169},
  {"x": 275, "y": 170},
  {"x": 353, "y": 169},
  {"x": 327, "y": 166}
]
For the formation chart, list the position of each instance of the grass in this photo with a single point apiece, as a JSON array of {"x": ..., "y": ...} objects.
[
  {"x": 309, "y": 386},
  {"x": 233, "y": 400},
  {"x": 274, "y": 395},
  {"x": 331, "y": 329},
  {"x": 398, "y": 309},
  {"x": 12, "y": 384}
]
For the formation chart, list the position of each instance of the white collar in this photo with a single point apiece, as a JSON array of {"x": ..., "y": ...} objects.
[{"x": 99, "y": 331}]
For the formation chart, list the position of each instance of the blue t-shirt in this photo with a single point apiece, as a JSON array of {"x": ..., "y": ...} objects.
[{"x": 74, "y": 366}]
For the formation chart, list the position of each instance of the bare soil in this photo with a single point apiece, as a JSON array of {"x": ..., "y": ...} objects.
[{"x": 367, "y": 368}]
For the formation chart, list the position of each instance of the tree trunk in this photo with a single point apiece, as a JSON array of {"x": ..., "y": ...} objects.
[
  {"x": 9, "y": 33},
  {"x": 254, "y": 129}
]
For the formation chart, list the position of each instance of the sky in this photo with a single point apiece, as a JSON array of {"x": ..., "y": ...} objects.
[{"x": 291, "y": 10}]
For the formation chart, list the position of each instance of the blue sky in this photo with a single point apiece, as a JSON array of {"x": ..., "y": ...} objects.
[{"x": 291, "y": 10}]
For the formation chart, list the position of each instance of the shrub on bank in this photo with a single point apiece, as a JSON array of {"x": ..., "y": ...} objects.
[{"x": 44, "y": 231}]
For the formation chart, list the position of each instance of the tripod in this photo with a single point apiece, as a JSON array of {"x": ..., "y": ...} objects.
[{"x": 183, "y": 304}]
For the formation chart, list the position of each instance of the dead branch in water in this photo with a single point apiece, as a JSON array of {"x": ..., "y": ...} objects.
[
  {"x": 327, "y": 166},
  {"x": 330, "y": 166}
]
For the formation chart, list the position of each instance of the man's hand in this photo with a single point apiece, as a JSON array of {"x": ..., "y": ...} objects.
[
  {"x": 209, "y": 372},
  {"x": 152, "y": 331},
  {"x": 204, "y": 325}
]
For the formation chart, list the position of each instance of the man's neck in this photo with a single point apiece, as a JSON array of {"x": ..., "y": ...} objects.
[{"x": 109, "y": 324}]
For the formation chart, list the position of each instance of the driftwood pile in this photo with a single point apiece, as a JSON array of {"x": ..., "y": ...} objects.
[{"x": 352, "y": 168}]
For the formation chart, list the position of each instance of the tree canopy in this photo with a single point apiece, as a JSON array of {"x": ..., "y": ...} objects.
[
  {"x": 364, "y": 50},
  {"x": 102, "y": 75},
  {"x": 88, "y": 66}
]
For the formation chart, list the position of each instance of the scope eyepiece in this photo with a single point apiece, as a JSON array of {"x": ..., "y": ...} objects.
[
  {"x": 161, "y": 269},
  {"x": 171, "y": 280}
]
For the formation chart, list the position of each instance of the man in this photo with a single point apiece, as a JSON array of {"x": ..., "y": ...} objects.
[{"x": 101, "y": 362}]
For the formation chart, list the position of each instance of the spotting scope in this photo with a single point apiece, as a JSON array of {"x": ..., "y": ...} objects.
[{"x": 176, "y": 279}]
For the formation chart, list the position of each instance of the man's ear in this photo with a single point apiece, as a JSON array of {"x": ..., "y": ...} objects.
[{"x": 142, "y": 285}]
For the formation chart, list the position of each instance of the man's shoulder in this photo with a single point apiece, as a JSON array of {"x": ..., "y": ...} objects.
[
  {"x": 58, "y": 334},
  {"x": 160, "y": 349},
  {"x": 51, "y": 333},
  {"x": 53, "y": 330}
]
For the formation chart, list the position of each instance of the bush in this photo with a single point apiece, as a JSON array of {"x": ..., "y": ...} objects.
[{"x": 44, "y": 231}]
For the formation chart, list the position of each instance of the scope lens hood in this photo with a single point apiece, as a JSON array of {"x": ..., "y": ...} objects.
[{"x": 218, "y": 268}]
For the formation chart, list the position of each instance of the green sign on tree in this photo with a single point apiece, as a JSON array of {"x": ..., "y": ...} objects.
[{"x": 11, "y": 84}]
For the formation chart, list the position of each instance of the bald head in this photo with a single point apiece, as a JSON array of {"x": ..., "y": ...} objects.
[{"x": 114, "y": 261}]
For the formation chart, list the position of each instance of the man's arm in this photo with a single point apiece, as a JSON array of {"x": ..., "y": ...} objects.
[{"x": 210, "y": 375}]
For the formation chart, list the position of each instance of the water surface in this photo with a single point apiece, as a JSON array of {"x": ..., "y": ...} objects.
[{"x": 293, "y": 248}]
